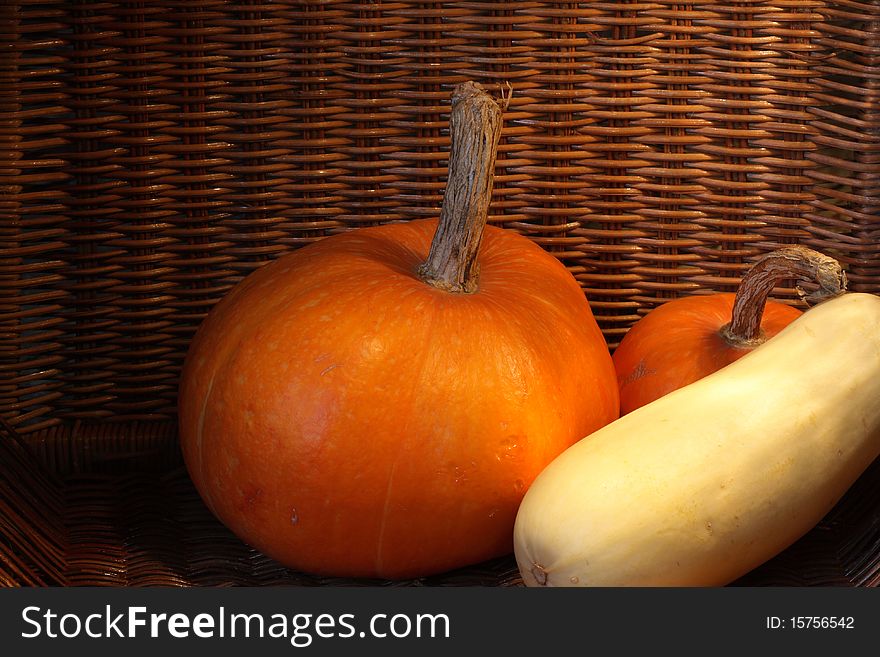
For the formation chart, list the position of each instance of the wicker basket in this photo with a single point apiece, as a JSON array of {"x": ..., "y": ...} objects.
[{"x": 155, "y": 152}]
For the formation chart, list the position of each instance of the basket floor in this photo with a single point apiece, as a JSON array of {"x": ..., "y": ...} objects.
[
  {"x": 153, "y": 530},
  {"x": 104, "y": 524}
]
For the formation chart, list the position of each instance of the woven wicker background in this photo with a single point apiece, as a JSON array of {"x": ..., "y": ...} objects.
[{"x": 155, "y": 152}]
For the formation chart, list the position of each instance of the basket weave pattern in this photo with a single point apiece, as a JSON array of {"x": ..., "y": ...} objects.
[{"x": 154, "y": 153}]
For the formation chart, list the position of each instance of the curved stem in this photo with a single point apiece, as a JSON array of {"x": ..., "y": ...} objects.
[
  {"x": 796, "y": 262},
  {"x": 475, "y": 129}
]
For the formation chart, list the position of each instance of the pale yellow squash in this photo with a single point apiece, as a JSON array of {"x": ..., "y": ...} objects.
[{"x": 701, "y": 486}]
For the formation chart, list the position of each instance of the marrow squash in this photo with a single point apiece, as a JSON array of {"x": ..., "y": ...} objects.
[{"x": 708, "y": 482}]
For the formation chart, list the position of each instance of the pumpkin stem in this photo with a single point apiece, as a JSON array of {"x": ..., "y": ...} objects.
[
  {"x": 475, "y": 129},
  {"x": 796, "y": 262}
]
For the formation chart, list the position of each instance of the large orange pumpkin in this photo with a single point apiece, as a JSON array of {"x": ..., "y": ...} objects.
[
  {"x": 688, "y": 338},
  {"x": 350, "y": 411}
]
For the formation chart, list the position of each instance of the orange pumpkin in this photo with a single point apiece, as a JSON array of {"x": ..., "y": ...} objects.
[
  {"x": 353, "y": 409},
  {"x": 688, "y": 338}
]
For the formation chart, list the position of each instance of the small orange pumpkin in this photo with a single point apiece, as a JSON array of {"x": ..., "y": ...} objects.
[
  {"x": 375, "y": 404},
  {"x": 688, "y": 338}
]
